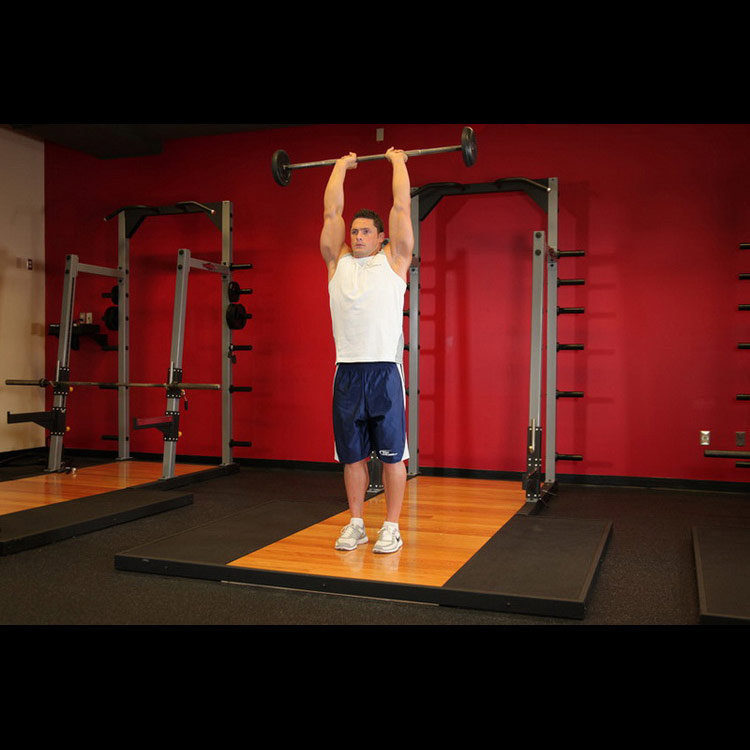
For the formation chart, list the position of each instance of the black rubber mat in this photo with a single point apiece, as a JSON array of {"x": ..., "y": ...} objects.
[
  {"x": 35, "y": 527},
  {"x": 532, "y": 565},
  {"x": 240, "y": 534},
  {"x": 538, "y": 565},
  {"x": 722, "y": 564}
]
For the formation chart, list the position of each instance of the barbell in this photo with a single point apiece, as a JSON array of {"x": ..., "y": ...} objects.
[
  {"x": 282, "y": 167},
  {"x": 44, "y": 383}
]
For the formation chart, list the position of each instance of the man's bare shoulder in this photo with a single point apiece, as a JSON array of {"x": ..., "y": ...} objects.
[{"x": 333, "y": 263}]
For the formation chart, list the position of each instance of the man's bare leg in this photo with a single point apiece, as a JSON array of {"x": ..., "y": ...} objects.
[
  {"x": 394, "y": 482},
  {"x": 356, "y": 482}
]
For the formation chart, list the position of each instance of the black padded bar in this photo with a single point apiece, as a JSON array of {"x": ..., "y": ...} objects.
[
  {"x": 51, "y": 420},
  {"x": 134, "y": 215},
  {"x": 430, "y": 194}
]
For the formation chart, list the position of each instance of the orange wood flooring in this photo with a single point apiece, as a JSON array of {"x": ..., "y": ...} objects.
[
  {"x": 444, "y": 521},
  {"x": 46, "y": 489}
]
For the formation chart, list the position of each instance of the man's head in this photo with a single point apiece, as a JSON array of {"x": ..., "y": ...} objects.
[{"x": 366, "y": 233}]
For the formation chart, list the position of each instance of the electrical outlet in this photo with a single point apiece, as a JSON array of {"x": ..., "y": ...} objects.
[
  {"x": 740, "y": 439},
  {"x": 705, "y": 437},
  {"x": 379, "y": 134}
]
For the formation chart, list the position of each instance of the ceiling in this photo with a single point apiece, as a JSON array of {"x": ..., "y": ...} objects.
[{"x": 111, "y": 141}]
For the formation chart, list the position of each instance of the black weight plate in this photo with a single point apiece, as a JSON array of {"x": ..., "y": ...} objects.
[
  {"x": 111, "y": 318},
  {"x": 279, "y": 163},
  {"x": 236, "y": 316}
]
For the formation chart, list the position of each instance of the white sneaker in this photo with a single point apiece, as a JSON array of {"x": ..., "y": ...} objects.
[
  {"x": 389, "y": 540},
  {"x": 352, "y": 535}
]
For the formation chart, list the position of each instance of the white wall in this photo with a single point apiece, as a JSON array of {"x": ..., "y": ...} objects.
[{"x": 22, "y": 330}]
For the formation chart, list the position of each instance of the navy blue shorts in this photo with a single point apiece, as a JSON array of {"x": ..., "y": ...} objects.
[{"x": 369, "y": 412}]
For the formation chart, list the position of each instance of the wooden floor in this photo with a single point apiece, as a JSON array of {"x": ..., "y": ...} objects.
[
  {"x": 47, "y": 489},
  {"x": 443, "y": 523}
]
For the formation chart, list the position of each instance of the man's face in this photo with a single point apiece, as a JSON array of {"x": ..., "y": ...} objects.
[{"x": 365, "y": 238}]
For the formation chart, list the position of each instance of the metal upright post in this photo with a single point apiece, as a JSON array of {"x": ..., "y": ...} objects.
[
  {"x": 414, "y": 281},
  {"x": 533, "y": 459},
  {"x": 123, "y": 339},
  {"x": 227, "y": 254},
  {"x": 550, "y": 456},
  {"x": 175, "y": 357},
  {"x": 62, "y": 370}
]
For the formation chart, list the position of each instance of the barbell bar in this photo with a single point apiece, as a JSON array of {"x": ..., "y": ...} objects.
[
  {"x": 43, "y": 383},
  {"x": 281, "y": 166}
]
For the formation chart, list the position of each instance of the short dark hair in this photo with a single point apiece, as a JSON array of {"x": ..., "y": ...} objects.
[{"x": 366, "y": 213}]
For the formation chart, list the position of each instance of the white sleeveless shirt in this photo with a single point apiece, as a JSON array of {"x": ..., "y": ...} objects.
[{"x": 367, "y": 310}]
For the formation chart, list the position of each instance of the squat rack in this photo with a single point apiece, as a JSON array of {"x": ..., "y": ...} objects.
[
  {"x": 129, "y": 220},
  {"x": 540, "y": 476}
]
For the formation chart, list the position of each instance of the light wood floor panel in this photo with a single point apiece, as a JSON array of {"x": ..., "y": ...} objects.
[
  {"x": 444, "y": 522},
  {"x": 46, "y": 489}
]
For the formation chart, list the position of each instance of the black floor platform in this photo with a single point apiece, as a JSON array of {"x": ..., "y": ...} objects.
[
  {"x": 722, "y": 563},
  {"x": 35, "y": 527},
  {"x": 533, "y": 565}
]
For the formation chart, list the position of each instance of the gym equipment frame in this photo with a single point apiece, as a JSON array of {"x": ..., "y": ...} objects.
[
  {"x": 129, "y": 220},
  {"x": 55, "y": 420},
  {"x": 545, "y": 257},
  {"x": 231, "y": 320}
]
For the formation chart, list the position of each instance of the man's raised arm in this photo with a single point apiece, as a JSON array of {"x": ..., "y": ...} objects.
[
  {"x": 333, "y": 235},
  {"x": 400, "y": 230}
]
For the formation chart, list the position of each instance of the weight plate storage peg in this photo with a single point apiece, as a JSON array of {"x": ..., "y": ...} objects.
[{"x": 114, "y": 295}]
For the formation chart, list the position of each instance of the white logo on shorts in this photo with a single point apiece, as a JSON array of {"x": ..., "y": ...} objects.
[{"x": 387, "y": 453}]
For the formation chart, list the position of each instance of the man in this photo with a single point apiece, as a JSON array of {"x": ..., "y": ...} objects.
[{"x": 366, "y": 283}]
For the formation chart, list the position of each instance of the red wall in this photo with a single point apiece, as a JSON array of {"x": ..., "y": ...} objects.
[{"x": 659, "y": 210}]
